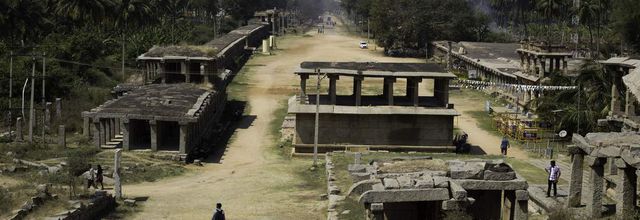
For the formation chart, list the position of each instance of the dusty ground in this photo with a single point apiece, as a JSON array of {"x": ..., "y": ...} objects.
[{"x": 251, "y": 180}]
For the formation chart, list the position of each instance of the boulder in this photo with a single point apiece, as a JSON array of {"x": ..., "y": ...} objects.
[
  {"x": 469, "y": 170},
  {"x": 405, "y": 182},
  {"x": 54, "y": 169}
]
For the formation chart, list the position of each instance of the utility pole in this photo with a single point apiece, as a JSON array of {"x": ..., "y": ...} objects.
[
  {"x": 368, "y": 30},
  {"x": 31, "y": 112},
  {"x": 315, "y": 132},
  {"x": 10, "y": 92},
  {"x": 123, "y": 77},
  {"x": 44, "y": 67}
]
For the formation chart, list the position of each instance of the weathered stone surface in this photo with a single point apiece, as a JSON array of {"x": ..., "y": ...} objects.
[
  {"x": 390, "y": 183},
  {"x": 582, "y": 143},
  {"x": 491, "y": 185},
  {"x": 334, "y": 190},
  {"x": 405, "y": 182},
  {"x": 441, "y": 182},
  {"x": 130, "y": 202},
  {"x": 457, "y": 205},
  {"x": 424, "y": 182},
  {"x": 377, "y": 187},
  {"x": 632, "y": 157},
  {"x": 457, "y": 192},
  {"x": 522, "y": 195},
  {"x": 619, "y": 163},
  {"x": 594, "y": 197},
  {"x": 468, "y": 170},
  {"x": 499, "y": 176},
  {"x": 357, "y": 168},
  {"x": 357, "y": 177},
  {"x": 404, "y": 195},
  {"x": 362, "y": 186},
  {"x": 434, "y": 173},
  {"x": 610, "y": 151},
  {"x": 594, "y": 161}
]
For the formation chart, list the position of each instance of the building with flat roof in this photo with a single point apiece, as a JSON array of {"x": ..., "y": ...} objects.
[
  {"x": 157, "y": 117},
  {"x": 387, "y": 121}
]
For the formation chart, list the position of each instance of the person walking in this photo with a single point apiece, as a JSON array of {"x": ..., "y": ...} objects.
[
  {"x": 554, "y": 175},
  {"x": 99, "y": 177},
  {"x": 91, "y": 176},
  {"x": 219, "y": 213},
  {"x": 504, "y": 145}
]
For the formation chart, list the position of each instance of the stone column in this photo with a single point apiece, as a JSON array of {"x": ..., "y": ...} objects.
[
  {"x": 613, "y": 169},
  {"x": 117, "y": 187},
  {"x": 103, "y": 132},
  {"x": 126, "y": 139},
  {"x": 118, "y": 126},
  {"x": 107, "y": 130},
  {"x": 615, "y": 101},
  {"x": 333, "y": 88},
  {"x": 376, "y": 211},
  {"x": 153, "y": 124},
  {"x": 357, "y": 90},
  {"x": 543, "y": 65},
  {"x": 47, "y": 114},
  {"x": 303, "y": 88},
  {"x": 521, "y": 206},
  {"x": 626, "y": 190},
  {"x": 629, "y": 107},
  {"x": 594, "y": 195},
  {"x": 388, "y": 90},
  {"x": 97, "y": 137},
  {"x": 162, "y": 72},
  {"x": 85, "y": 126},
  {"x": 203, "y": 72},
  {"x": 415, "y": 93},
  {"x": 58, "y": 108},
  {"x": 575, "y": 184},
  {"x": 184, "y": 132},
  {"x": 62, "y": 137},
  {"x": 112, "y": 125},
  {"x": 185, "y": 71},
  {"x": 564, "y": 66},
  {"x": 19, "y": 136}
]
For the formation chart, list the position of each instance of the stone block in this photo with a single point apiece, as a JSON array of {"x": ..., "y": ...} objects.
[
  {"x": 610, "y": 151},
  {"x": 441, "y": 182},
  {"x": 516, "y": 184},
  {"x": 357, "y": 177},
  {"x": 404, "y": 195},
  {"x": 457, "y": 205},
  {"x": 405, "y": 182},
  {"x": 620, "y": 163},
  {"x": 629, "y": 156},
  {"x": 334, "y": 190},
  {"x": 424, "y": 182},
  {"x": 499, "y": 176},
  {"x": 469, "y": 170},
  {"x": 130, "y": 202},
  {"x": 457, "y": 192},
  {"x": 594, "y": 161},
  {"x": 522, "y": 195},
  {"x": 390, "y": 183}
]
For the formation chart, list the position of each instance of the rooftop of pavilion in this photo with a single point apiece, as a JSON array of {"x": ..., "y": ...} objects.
[
  {"x": 207, "y": 51},
  {"x": 375, "y": 69}
]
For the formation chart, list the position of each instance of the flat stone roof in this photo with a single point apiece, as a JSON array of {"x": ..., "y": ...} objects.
[
  {"x": 374, "y": 69},
  {"x": 295, "y": 107},
  {"x": 501, "y": 58},
  {"x": 174, "y": 102}
]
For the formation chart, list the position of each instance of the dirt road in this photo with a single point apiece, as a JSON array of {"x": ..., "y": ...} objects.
[{"x": 251, "y": 181}]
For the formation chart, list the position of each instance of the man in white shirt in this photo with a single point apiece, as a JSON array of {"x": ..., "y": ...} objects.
[{"x": 554, "y": 176}]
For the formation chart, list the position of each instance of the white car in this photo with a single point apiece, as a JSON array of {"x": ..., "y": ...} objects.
[{"x": 364, "y": 45}]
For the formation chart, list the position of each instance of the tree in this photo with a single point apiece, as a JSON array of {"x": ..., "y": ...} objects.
[
  {"x": 131, "y": 12},
  {"x": 83, "y": 10},
  {"x": 588, "y": 13}
]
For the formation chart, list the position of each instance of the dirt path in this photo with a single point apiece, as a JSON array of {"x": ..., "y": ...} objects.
[
  {"x": 251, "y": 181},
  {"x": 489, "y": 142}
]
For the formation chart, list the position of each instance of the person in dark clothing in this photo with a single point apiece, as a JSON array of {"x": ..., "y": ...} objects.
[
  {"x": 504, "y": 144},
  {"x": 99, "y": 177},
  {"x": 219, "y": 213}
]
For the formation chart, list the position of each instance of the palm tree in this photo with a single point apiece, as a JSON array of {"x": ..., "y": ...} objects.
[
  {"x": 131, "y": 12},
  {"x": 588, "y": 13},
  {"x": 550, "y": 9},
  {"x": 83, "y": 10},
  {"x": 23, "y": 18}
]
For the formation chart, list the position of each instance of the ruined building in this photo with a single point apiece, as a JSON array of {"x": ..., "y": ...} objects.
[{"x": 387, "y": 121}]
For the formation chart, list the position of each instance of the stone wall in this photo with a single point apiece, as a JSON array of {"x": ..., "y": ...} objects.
[{"x": 404, "y": 130}]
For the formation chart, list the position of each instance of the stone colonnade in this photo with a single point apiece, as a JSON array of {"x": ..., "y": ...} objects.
[
  {"x": 540, "y": 64},
  {"x": 441, "y": 89},
  {"x": 618, "y": 168},
  {"x": 157, "y": 68}
]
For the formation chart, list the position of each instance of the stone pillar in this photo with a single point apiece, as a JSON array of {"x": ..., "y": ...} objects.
[
  {"x": 615, "y": 101},
  {"x": 613, "y": 169},
  {"x": 357, "y": 90},
  {"x": 415, "y": 93},
  {"x": 118, "y": 126},
  {"x": 153, "y": 124},
  {"x": 388, "y": 90},
  {"x": 85, "y": 126},
  {"x": 112, "y": 125},
  {"x": 521, "y": 206},
  {"x": 594, "y": 195},
  {"x": 265, "y": 46},
  {"x": 47, "y": 114},
  {"x": 333, "y": 88},
  {"x": 184, "y": 71},
  {"x": 126, "y": 139},
  {"x": 62, "y": 137},
  {"x": 107, "y": 130},
  {"x": 565, "y": 68},
  {"x": 543, "y": 65},
  {"x": 629, "y": 107},
  {"x": 575, "y": 184},
  {"x": 376, "y": 211},
  {"x": 303, "y": 88},
  {"x": 184, "y": 132},
  {"x": 19, "y": 136},
  {"x": 103, "y": 132},
  {"x": 162, "y": 72},
  {"x": 97, "y": 137},
  {"x": 117, "y": 187},
  {"x": 203, "y": 72},
  {"x": 58, "y": 108},
  {"x": 626, "y": 190}
]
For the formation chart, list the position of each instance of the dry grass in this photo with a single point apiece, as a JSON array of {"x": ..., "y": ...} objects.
[{"x": 414, "y": 166}]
